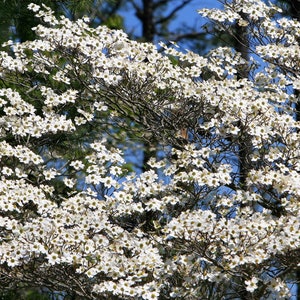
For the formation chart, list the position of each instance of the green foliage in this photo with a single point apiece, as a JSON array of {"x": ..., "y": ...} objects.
[
  {"x": 115, "y": 22},
  {"x": 24, "y": 295},
  {"x": 17, "y": 21}
]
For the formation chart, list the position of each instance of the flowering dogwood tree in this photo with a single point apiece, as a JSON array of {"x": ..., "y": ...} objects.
[{"x": 75, "y": 219}]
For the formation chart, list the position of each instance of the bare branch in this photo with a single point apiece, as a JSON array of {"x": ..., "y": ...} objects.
[{"x": 173, "y": 12}]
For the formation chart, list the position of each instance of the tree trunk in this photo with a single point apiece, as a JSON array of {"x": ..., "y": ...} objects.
[
  {"x": 148, "y": 21},
  {"x": 241, "y": 45},
  {"x": 295, "y": 14}
]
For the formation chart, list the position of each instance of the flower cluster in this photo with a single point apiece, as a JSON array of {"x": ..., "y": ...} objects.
[{"x": 216, "y": 213}]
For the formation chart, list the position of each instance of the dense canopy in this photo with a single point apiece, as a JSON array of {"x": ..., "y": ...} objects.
[{"x": 216, "y": 213}]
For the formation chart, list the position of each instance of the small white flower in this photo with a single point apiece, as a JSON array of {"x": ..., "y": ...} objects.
[
  {"x": 69, "y": 182},
  {"x": 251, "y": 285},
  {"x": 34, "y": 7},
  {"x": 77, "y": 165}
]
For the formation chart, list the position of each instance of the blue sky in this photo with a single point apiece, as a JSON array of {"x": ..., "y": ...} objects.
[{"x": 187, "y": 15}]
